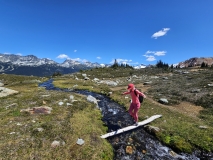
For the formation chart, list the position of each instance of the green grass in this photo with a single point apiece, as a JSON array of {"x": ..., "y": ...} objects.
[
  {"x": 178, "y": 130},
  {"x": 81, "y": 120},
  {"x": 20, "y": 138}
]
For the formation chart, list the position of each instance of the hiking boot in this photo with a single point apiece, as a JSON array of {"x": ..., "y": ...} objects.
[{"x": 136, "y": 124}]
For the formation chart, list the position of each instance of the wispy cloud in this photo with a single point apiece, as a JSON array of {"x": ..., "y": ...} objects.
[
  {"x": 151, "y": 57},
  {"x": 160, "y": 33},
  {"x": 98, "y": 57},
  {"x": 160, "y": 53},
  {"x": 62, "y": 56},
  {"x": 75, "y": 50}
]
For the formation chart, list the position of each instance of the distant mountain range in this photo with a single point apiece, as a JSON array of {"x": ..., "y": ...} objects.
[{"x": 31, "y": 65}]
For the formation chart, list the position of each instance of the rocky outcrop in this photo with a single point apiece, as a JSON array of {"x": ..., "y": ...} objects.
[
  {"x": 5, "y": 92},
  {"x": 38, "y": 110},
  {"x": 192, "y": 62}
]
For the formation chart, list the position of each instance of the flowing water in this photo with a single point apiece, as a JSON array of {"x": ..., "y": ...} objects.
[{"x": 136, "y": 144}]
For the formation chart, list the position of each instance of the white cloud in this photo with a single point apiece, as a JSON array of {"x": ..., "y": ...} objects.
[
  {"x": 149, "y": 58},
  {"x": 98, "y": 57},
  {"x": 160, "y": 33},
  {"x": 6, "y": 53},
  {"x": 156, "y": 53},
  {"x": 63, "y": 56},
  {"x": 149, "y": 52},
  {"x": 160, "y": 53},
  {"x": 75, "y": 50}
]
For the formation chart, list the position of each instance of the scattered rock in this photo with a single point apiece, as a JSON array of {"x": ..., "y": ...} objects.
[
  {"x": 5, "y": 92},
  {"x": 147, "y": 83},
  {"x": 71, "y": 97},
  {"x": 134, "y": 76},
  {"x": 195, "y": 91},
  {"x": 129, "y": 79},
  {"x": 38, "y": 110},
  {"x": 152, "y": 129},
  {"x": 75, "y": 86},
  {"x": 96, "y": 79},
  {"x": 1, "y": 84},
  {"x": 11, "y": 105},
  {"x": 173, "y": 154},
  {"x": 166, "y": 78},
  {"x": 110, "y": 93},
  {"x": 203, "y": 127},
  {"x": 210, "y": 85},
  {"x": 40, "y": 129},
  {"x": 55, "y": 144},
  {"x": 60, "y": 103},
  {"x": 163, "y": 101},
  {"x": 186, "y": 72},
  {"x": 129, "y": 149},
  {"x": 130, "y": 140},
  {"x": 144, "y": 151},
  {"x": 110, "y": 83},
  {"x": 45, "y": 95},
  {"x": 92, "y": 99},
  {"x": 86, "y": 78},
  {"x": 80, "y": 141},
  {"x": 154, "y": 77},
  {"x": 69, "y": 104},
  {"x": 84, "y": 75}
]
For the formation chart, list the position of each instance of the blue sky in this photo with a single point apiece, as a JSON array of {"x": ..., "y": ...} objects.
[{"x": 134, "y": 32}]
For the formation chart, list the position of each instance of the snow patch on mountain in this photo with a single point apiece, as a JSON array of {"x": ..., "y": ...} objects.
[{"x": 32, "y": 60}]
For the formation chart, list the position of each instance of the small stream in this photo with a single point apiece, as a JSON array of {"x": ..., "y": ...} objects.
[{"x": 140, "y": 144}]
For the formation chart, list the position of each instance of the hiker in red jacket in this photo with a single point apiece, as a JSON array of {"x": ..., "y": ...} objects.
[{"x": 135, "y": 103}]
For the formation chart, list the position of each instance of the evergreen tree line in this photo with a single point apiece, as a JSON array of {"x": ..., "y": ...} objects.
[
  {"x": 159, "y": 64},
  {"x": 204, "y": 65}
]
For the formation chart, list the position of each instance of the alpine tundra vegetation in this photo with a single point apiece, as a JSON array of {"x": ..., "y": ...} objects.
[{"x": 44, "y": 124}]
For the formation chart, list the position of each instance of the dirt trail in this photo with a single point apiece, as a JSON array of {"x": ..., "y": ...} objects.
[{"x": 186, "y": 108}]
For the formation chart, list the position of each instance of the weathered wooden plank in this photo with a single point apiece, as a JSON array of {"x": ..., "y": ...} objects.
[{"x": 150, "y": 119}]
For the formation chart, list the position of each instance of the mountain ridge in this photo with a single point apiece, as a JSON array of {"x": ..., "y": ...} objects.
[
  {"x": 196, "y": 61},
  {"x": 32, "y": 65}
]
